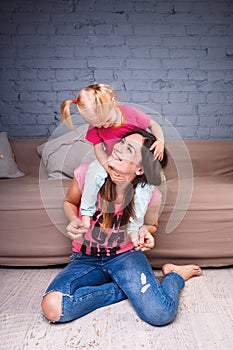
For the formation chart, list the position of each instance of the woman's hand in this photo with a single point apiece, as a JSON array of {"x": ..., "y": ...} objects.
[
  {"x": 75, "y": 229},
  {"x": 144, "y": 241}
]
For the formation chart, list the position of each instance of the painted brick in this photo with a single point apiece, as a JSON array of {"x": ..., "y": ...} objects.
[
  {"x": 229, "y": 100},
  {"x": 140, "y": 97},
  {"x": 159, "y": 97},
  {"x": 178, "y": 109},
  {"x": 9, "y": 74},
  {"x": 42, "y": 74},
  {"x": 179, "y": 63},
  {"x": 210, "y": 121},
  {"x": 177, "y": 29},
  {"x": 132, "y": 85},
  {"x": 159, "y": 52},
  {"x": 121, "y": 29},
  {"x": 196, "y": 98},
  {"x": 139, "y": 41},
  {"x": 182, "y": 42},
  {"x": 188, "y": 52},
  {"x": 184, "y": 18},
  {"x": 141, "y": 52},
  {"x": 171, "y": 56},
  {"x": 101, "y": 74},
  {"x": 9, "y": 95},
  {"x": 220, "y": 132},
  {"x": 143, "y": 63},
  {"x": 215, "y": 109},
  {"x": 197, "y": 74},
  {"x": 203, "y": 133},
  {"x": 215, "y": 97},
  {"x": 177, "y": 74},
  {"x": 226, "y": 120},
  {"x": 145, "y": 18},
  {"x": 178, "y": 97},
  {"x": 152, "y": 74},
  {"x": 71, "y": 74},
  {"x": 187, "y": 120},
  {"x": 105, "y": 62},
  {"x": 187, "y": 132}
]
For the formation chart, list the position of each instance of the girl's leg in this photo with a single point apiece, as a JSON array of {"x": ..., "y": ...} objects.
[
  {"x": 141, "y": 206},
  {"x": 95, "y": 177},
  {"x": 80, "y": 288},
  {"x": 155, "y": 302}
]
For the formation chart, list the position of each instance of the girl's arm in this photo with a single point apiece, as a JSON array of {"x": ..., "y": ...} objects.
[
  {"x": 101, "y": 155},
  {"x": 159, "y": 144}
]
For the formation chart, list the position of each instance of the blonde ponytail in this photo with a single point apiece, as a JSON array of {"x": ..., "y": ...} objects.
[{"x": 65, "y": 113}]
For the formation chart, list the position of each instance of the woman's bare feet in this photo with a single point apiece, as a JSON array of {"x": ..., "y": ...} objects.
[{"x": 185, "y": 271}]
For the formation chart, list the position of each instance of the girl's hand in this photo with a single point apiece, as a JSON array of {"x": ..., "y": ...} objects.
[
  {"x": 158, "y": 147},
  {"x": 75, "y": 229},
  {"x": 116, "y": 177},
  {"x": 144, "y": 241}
]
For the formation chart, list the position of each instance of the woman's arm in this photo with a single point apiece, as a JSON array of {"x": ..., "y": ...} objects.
[
  {"x": 145, "y": 239},
  {"x": 71, "y": 204},
  {"x": 152, "y": 216}
]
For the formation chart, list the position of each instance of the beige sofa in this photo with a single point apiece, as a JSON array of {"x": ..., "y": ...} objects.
[{"x": 195, "y": 225}]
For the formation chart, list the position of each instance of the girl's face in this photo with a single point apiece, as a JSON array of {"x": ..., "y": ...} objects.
[
  {"x": 125, "y": 160},
  {"x": 99, "y": 116},
  {"x": 96, "y": 114}
]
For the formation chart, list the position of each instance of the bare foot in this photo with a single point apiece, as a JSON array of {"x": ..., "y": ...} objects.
[
  {"x": 185, "y": 271},
  {"x": 86, "y": 220}
]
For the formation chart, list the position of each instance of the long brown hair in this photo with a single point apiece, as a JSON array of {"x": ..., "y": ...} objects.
[{"x": 151, "y": 175}]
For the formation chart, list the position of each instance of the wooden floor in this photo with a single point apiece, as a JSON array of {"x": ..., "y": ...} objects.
[{"x": 204, "y": 321}]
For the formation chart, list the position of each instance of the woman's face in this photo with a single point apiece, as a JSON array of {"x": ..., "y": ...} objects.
[{"x": 125, "y": 160}]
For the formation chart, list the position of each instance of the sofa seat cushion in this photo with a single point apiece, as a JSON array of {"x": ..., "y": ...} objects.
[
  {"x": 201, "y": 232},
  {"x": 208, "y": 193},
  {"x": 22, "y": 193},
  {"x": 31, "y": 235},
  {"x": 27, "y": 193}
]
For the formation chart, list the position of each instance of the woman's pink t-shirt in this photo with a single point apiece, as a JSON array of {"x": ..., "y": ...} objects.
[
  {"x": 133, "y": 118},
  {"x": 96, "y": 241}
]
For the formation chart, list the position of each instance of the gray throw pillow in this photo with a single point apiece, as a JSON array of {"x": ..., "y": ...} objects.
[
  {"x": 63, "y": 154},
  {"x": 8, "y": 166}
]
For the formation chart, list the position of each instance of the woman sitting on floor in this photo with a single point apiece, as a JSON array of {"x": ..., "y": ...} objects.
[{"x": 107, "y": 265}]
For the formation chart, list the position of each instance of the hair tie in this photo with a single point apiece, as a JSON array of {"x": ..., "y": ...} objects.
[{"x": 74, "y": 101}]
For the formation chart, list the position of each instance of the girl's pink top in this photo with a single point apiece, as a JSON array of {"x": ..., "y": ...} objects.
[{"x": 133, "y": 118}]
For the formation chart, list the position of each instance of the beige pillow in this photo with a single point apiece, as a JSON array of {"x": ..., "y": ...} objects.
[
  {"x": 64, "y": 153},
  {"x": 8, "y": 166}
]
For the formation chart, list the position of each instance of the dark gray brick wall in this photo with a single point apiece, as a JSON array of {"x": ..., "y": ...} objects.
[{"x": 172, "y": 56}]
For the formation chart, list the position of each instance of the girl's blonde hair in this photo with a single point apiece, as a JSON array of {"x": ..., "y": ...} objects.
[{"x": 92, "y": 95}]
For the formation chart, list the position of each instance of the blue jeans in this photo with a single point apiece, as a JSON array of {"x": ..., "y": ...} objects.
[{"x": 90, "y": 282}]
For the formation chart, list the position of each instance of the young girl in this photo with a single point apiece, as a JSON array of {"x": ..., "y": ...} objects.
[{"x": 108, "y": 121}]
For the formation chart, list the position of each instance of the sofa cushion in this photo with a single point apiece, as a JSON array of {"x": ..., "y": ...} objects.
[
  {"x": 8, "y": 166},
  {"x": 198, "y": 231},
  {"x": 205, "y": 157},
  {"x": 63, "y": 154}
]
